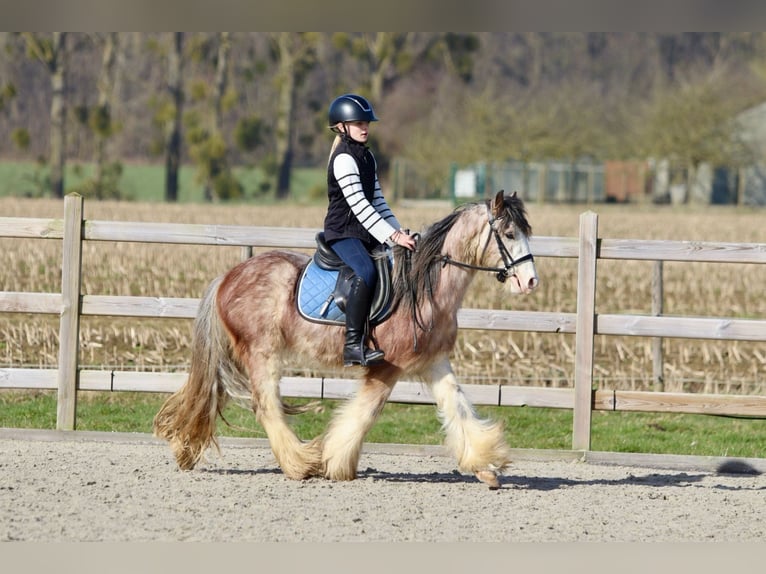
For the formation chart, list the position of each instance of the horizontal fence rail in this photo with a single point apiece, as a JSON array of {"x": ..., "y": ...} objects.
[{"x": 585, "y": 323}]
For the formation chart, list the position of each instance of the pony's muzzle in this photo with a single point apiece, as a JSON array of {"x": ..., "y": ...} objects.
[{"x": 526, "y": 285}]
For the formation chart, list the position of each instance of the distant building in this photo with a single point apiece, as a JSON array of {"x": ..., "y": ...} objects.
[
  {"x": 626, "y": 180},
  {"x": 632, "y": 181},
  {"x": 720, "y": 185},
  {"x": 753, "y": 186}
]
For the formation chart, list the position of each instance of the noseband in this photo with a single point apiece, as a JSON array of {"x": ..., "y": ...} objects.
[{"x": 501, "y": 273}]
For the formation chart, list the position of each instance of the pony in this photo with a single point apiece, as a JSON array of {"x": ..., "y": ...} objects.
[{"x": 247, "y": 326}]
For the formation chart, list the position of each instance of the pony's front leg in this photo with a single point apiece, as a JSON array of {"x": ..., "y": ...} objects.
[
  {"x": 342, "y": 442},
  {"x": 478, "y": 444}
]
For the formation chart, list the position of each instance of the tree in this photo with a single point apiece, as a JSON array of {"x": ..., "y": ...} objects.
[
  {"x": 101, "y": 122},
  {"x": 7, "y": 94},
  {"x": 51, "y": 52},
  {"x": 387, "y": 56},
  {"x": 543, "y": 94},
  {"x": 204, "y": 124},
  {"x": 692, "y": 123},
  {"x": 221, "y": 79},
  {"x": 383, "y": 54},
  {"x": 295, "y": 54},
  {"x": 457, "y": 51},
  {"x": 175, "y": 90}
]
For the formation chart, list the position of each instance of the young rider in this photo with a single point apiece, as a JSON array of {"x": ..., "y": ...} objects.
[{"x": 358, "y": 218}]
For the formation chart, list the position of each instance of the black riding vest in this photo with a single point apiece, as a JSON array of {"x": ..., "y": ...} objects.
[{"x": 340, "y": 222}]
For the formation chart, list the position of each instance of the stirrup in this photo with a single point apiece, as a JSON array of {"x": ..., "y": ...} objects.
[{"x": 364, "y": 358}]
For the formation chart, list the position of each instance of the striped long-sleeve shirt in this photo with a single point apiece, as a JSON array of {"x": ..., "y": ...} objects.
[{"x": 357, "y": 207}]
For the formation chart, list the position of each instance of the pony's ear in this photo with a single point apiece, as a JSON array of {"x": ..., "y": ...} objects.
[{"x": 498, "y": 205}]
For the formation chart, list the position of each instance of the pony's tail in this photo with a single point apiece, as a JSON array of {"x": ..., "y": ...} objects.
[{"x": 187, "y": 419}]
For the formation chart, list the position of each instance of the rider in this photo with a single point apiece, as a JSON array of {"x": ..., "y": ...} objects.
[{"x": 358, "y": 218}]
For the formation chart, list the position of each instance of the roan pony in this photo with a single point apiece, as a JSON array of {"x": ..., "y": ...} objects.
[{"x": 248, "y": 324}]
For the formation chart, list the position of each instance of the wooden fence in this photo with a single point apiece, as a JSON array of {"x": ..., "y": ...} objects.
[{"x": 588, "y": 248}]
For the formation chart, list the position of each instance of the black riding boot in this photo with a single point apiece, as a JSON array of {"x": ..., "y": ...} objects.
[{"x": 355, "y": 351}]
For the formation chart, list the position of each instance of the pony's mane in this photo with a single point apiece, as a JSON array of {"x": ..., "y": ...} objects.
[{"x": 417, "y": 274}]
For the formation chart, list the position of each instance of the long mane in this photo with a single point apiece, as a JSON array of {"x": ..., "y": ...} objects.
[{"x": 416, "y": 275}]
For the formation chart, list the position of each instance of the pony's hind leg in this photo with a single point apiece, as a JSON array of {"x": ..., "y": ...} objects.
[
  {"x": 342, "y": 442},
  {"x": 478, "y": 444},
  {"x": 298, "y": 460}
]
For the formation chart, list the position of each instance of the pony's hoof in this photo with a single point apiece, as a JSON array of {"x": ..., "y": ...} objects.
[{"x": 489, "y": 478}]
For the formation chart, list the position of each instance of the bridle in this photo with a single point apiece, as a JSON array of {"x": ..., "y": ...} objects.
[{"x": 501, "y": 273}]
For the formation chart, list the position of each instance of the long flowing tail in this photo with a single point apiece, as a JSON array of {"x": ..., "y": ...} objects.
[{"x": 187, "y": 420}]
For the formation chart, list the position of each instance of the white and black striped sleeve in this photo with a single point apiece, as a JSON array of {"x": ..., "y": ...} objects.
[{"x": 376, "y": 217}]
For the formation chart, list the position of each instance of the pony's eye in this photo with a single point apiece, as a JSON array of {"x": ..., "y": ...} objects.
[{"x": 509, "y": 234}]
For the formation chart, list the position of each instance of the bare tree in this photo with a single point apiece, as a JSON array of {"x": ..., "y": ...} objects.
[
  {"x": 101, "y": 120},
  {"x": 221, "y": 78},
  {"x": 534, "y": 95},
  {"x": 384, "y": 48},
  {"x": 173, "y": 127},
  {"x": 296, "y": 54},
  {"x": 203, "y": 118},
  {"x": 221, "y": 164},
  {"x": 384, "y": 55},
  {"x": 51, "y": 52},
  {"x": 690, "y": 124},
  {"x": 7, "y": 87}
]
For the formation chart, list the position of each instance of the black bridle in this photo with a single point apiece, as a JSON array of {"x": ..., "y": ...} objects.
[{"x": 501, "y": 273}]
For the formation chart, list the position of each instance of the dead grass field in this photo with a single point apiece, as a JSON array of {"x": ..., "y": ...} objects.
[{"x": 719, "y": 290}]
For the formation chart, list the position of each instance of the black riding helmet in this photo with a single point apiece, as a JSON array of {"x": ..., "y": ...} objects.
[{"x": 350, "y": 108}]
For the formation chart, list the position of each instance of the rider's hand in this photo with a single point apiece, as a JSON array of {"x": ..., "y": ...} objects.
[{"x": 404, "y": 239}]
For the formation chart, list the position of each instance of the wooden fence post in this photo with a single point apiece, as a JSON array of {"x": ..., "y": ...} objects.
[
  {"x": 658, "y": 376},
  {"x": 585, "y": 330},
  {"x": 69, "y": 325}
]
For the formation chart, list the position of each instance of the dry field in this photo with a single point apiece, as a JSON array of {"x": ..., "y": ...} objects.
[{"x": 701, "y": 289}]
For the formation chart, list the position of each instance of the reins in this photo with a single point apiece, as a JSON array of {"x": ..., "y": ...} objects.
[
  {"x": 417, "y": 318},
  {"x": 501, "y": 274}
]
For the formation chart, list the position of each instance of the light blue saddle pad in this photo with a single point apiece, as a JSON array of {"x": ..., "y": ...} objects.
[
  {"x": 314, "y": 296},
  {"x": 315, "y": 301}
]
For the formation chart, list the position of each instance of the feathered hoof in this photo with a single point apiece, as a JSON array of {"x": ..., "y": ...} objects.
[
  {"x": 340, "y": 474},
  {"x": 302, "y": 474},
  {"x": 305, "y": 462},
  {"x": 488, "y": 477},
  {"x": 339, "y": 469}
]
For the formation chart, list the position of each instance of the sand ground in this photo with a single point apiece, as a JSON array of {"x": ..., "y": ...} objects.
[{"x": 73, "y": 487}]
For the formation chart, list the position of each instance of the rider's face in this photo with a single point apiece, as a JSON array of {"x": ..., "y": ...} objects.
[{"x": 358, "y": 131}]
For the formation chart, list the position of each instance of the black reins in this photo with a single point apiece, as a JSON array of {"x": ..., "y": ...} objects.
[{"x": 501, "y": 273}]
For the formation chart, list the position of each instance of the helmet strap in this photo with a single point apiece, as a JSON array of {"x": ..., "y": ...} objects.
[{"x": 344, "y": 133}]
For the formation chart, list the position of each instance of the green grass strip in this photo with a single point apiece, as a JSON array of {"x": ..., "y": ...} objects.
[{"x": 525, "y": 427}]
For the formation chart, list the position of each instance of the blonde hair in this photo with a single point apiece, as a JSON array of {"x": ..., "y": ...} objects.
[{"x": 335, "y": 143}]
